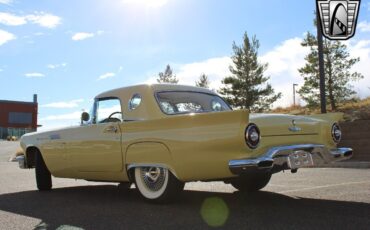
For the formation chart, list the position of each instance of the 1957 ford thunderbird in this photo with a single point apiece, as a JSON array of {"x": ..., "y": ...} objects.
[{"x": 160, "y": 136}]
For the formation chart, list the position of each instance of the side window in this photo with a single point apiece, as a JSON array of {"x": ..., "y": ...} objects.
[
  {"x": 216, "y": 105},
  {"x": 108, "y": 110}
]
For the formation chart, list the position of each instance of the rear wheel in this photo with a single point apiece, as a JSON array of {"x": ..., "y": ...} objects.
[
  {"x": 43, "y": 176},
  {"x": 157, "y": 184},
  {"x": 251, "y": 182}
]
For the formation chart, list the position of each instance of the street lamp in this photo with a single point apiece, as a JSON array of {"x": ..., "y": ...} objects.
[
  {"x": 321, "y": 63},
  {"x": 294, "y": 85}
]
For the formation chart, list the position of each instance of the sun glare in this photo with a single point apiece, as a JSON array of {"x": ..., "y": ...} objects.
[{"x": 146, "y": 3}]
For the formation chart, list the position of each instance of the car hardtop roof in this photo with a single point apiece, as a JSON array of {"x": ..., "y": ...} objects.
[{"x": 155, "y": 88}]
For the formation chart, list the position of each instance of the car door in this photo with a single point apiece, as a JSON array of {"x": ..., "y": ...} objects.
[{"x": 96, "y": 147}]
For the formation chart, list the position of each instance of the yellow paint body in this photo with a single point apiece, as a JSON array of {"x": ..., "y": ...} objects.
[{"x": 193, "y": 146}]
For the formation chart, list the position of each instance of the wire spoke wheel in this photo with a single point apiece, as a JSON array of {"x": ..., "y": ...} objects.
[
  {"x": 157, "y": 184},
  {"x": 153, "y": 177},
  {"x": 151, "y": 181}
]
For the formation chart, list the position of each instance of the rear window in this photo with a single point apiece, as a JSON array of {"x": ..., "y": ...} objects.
[{"x": 178, "y": 102}]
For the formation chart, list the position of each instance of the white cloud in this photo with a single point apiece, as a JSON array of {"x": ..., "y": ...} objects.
[
  {"x": 55, "y": 66},
  {"x": 361, "y": 49},
  {"x": 40, "y": 18},
  {"x": 106, "y": 75},
  {"x": 45, "y": 20},
  {"x": 146, "y": 3},
  {"x": 12, "y": 20},
  {"x": 64, "y": 104},
  {"x": 34, "y": 75},
  {"x": 284, "y": 61},
  {"x": 68, "y": 116},
  {"x": 364, "y": 26},
  {"x": 38, "y": 33},
  {"x": 82, "y": 36},
  {"x": 7, "y": 2},
  {"x": 215, "y": 68},
  {"x": 6, "y": 37}
]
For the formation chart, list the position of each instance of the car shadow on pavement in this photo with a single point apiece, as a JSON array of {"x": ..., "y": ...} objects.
[{"x": 107, "y": 207}]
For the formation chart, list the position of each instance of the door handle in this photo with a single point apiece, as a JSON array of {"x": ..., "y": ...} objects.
[{"x": 111, "y": 129}]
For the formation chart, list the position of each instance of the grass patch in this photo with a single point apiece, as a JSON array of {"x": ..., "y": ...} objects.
[{"x": 355, "y": 109}]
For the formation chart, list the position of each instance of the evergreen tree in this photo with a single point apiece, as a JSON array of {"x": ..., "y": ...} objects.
[
  {"x": 337, "y": 65},
  {"x": 167, "y": 76},
  {"x": 203, "y": 81},
  {"x": 247, "y": 87}
]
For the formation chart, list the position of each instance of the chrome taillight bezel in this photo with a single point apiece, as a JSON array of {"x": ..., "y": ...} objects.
[
  {"x": 336, "y": 133},
  {"x": 250, "y": 136}
]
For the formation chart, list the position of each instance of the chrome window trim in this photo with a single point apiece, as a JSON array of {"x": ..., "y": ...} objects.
[{"x": 185, "y": 91}]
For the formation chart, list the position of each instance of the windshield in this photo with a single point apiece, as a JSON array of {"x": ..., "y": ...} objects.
[{"x": 177, "y": 102}]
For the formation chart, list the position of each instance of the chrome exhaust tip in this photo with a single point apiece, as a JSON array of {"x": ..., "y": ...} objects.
[{"x": 265, "y": 164}]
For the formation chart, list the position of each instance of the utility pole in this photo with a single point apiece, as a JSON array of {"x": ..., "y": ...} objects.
[
  {"x": 321, "y": 63},
  {"x": 294, "y": 85}
]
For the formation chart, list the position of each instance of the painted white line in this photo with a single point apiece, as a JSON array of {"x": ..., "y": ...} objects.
[
  {"x": 287, "y": 186},
  {"x": 324, "y": 186}
]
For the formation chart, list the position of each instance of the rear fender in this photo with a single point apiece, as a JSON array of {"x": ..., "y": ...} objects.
[
  {"x": 147, "y": 154},
  {"x": 329, "y": 117}
]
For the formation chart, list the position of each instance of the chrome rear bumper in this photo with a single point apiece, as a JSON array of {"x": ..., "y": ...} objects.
[{"x": 291, "y": 157}]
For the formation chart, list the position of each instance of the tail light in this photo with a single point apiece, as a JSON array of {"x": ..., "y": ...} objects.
[
  {"x": 336, "y": 133},
  {"x": 252, "y": 136}
]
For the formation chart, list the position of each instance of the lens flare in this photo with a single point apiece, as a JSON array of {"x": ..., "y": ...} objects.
[{"x": 214, "y": 211}]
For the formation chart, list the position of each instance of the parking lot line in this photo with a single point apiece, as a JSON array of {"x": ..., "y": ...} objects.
[{"x": 325, "y": 186}]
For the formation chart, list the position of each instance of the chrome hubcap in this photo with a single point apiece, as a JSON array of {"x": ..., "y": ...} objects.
[{"x": 153, "y": 177}]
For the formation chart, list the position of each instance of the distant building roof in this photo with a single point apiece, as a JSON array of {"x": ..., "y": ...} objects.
[{"x": 17, "y": 102}]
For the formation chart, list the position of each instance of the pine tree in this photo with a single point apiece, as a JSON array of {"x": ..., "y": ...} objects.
[
  {"x": 167, "y": 76},
  {"x": 247, "y": 87},
  {"x": 203, "y": 81},
  {"x": 337, "y": 65}
]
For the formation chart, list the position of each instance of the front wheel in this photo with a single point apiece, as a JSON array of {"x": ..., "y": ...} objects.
[
  {"x": 43, "y": 176},
  {"x": 157, "y": 184},
  {"x": 251, "y": 182}
]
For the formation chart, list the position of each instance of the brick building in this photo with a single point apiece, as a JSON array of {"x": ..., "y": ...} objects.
[{"x": 18, "y": 117}]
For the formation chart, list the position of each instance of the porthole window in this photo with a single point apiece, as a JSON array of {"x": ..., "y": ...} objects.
[
  {"x": 216, "y": 106},
  {"x": 134, "y": 102}
]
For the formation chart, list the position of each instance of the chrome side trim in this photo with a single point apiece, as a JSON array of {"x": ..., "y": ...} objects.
[
  {"x": 135, "y": 165},
  {"x": 21, "y": 162},
  {"x": 276, "y": 158}
]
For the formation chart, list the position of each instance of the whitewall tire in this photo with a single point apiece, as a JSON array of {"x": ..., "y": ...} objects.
[{"x": 157, "y": 184}]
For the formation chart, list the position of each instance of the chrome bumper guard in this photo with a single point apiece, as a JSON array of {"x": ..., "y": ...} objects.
[
  {"x": 21, "y": 162},
  {"x": 291, "y": 157}
]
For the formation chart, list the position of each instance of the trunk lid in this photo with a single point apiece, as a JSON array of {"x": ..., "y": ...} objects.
[{"x": 285, "y": 125}]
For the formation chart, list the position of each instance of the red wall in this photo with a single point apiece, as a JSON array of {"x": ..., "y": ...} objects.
[{"x": 22, "y": 107}]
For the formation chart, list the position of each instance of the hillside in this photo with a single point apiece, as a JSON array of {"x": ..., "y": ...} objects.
[{"x": 353, "y": 110}]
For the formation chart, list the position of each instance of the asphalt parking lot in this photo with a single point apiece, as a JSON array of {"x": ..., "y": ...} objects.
[{"x": 310, "y": 199}]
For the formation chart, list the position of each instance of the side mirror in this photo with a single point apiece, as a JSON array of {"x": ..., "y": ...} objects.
[{"x": 85, "y": 116}]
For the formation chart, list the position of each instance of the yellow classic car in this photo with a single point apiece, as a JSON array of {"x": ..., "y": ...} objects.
[{"x": 160, "y": 136}]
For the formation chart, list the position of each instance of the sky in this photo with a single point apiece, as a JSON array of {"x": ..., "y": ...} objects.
[{"x": 68, "y": 51}]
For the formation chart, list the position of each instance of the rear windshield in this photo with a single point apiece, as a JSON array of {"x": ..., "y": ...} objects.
[{"x": 178, "y": 102}]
